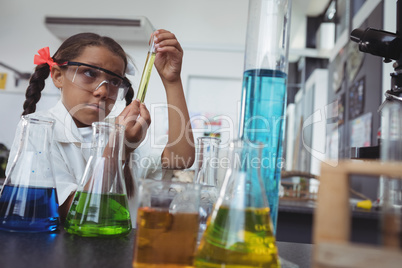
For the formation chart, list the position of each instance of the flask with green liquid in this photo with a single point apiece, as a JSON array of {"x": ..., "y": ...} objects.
[
  {"x": 239, "y": 231},
  {"x": 100, "y": 205}
]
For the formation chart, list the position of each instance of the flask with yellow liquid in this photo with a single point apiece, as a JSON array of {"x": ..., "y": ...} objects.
[{"x": 239, "y": 231}]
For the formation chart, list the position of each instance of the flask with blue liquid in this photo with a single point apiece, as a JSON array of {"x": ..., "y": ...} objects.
[
  {"x": 264, "y": 88},
  {"x": 28, "y": 200}
]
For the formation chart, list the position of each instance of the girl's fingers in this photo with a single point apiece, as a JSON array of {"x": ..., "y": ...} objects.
[
  {"x": 164, "y": 36},
  {"x": 129, "y": 114},
  {"x": 166, "y": 39},
  {"x": 132, "y": 108},
  {"x": 169, "y": 44},
  {"x": 140, "y": 127},
  {"x": 169, "y": 50},
  {"x": 136, "y": 119},
  {"x": 161, "y": 31},
  {"x": 144, "y": 114},
  {"x": 139, "y": 121}
]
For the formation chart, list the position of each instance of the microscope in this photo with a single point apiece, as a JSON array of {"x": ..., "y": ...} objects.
[{"x": 388, "y": 46}]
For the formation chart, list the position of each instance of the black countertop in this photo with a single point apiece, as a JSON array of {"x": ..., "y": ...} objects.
[
  {"x": 60, "y": 249},
  {"x": 308, "y": 207},
  {"x": 295, "y": 222}
]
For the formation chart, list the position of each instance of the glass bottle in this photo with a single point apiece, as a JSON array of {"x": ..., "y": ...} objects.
[
  {"x": 100, "y": 205},
  {"x": 207, "y": 155},
  {"x": 264, "y": 87},
  {"x": 239, "y": 232},
  {"x": 205, "y": 175},
  {"x": 28, "y": 201}
]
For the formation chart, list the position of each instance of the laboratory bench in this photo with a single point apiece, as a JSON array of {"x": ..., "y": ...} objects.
[
  {"x": 295, "y": 223},
  {"x": 60, "y": 249}
]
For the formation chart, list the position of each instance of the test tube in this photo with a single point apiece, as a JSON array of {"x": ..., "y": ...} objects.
[{"x": 146, "y": 73}]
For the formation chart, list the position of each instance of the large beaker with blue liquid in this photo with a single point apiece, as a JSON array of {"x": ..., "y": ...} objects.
[
  {"x": 264, "y": 88},
  {"x": 28, "y": 200}
]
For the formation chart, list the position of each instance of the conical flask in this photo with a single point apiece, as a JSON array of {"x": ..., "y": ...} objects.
[
  {"x": 28, "y": 201},
  {"x": 205, "y": 175},
  {"x": 100, "y": 205},
  {"x": 239, "y": 232}
]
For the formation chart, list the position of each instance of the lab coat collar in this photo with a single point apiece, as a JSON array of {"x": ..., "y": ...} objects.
[{"x": 65, "y": 129}]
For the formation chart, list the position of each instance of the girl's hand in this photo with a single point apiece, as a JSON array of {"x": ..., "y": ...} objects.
[
  {"x": 169, "y": 55},
  {"x": 136, "y": 118}
]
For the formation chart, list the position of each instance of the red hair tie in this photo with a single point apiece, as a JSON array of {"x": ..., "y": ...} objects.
[{"x": 44, "y": 57}]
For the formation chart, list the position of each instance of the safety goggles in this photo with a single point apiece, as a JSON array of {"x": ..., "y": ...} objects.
[{"x": 91, "y": 78}]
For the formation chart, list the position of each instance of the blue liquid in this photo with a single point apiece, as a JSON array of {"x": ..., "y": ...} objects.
[
  {"x": 28, "y": 209},
  {"x": 264, "y": 99}
]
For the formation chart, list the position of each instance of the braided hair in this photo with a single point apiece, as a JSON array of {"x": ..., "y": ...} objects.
[{"x": 71, "y": 48}]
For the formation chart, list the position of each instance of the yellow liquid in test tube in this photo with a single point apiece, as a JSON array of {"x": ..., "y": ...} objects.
[{"x": 146, "y": 73}]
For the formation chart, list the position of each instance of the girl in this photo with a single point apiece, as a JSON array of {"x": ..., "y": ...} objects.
[{"x": 90, "y": 72}]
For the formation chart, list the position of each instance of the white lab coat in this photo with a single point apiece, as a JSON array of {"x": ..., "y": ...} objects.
[{"x": 70, "y": 152}]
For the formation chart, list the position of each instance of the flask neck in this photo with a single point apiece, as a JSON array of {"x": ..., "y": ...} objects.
[
  {"x": 32, "y": 166},
  {"x": 104, "y": 173},
  {"x": 243, "y": 184},
  {"x": 37, "y": 134},
  {"x": 107, "y": 140}
]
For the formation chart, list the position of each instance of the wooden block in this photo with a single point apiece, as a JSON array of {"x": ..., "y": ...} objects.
[
  {"x": 344, "y": 255},
  {"x": 331, "y": 230}
]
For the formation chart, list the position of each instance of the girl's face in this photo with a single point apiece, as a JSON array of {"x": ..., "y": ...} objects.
[{"x": 85, "y": 106}]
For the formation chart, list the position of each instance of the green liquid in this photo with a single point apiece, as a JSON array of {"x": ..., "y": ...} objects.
[
  {"x": 98, "y": 215},
  {"x": 238, "y": 239}
]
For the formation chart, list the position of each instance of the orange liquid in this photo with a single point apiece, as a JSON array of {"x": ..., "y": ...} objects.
[{"x": 164, "y": 239}]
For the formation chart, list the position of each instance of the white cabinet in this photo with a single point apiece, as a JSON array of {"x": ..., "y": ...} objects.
[{"x": 310, "y": 123}]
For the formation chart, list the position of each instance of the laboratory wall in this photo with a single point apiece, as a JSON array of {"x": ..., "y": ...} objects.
[
  {"x": 212, "y": 38},
  {"x": 355, "y": 82},
  {"x": 355, "y": 85}
]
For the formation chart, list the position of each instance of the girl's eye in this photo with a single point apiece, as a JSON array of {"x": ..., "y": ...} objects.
[
  {"x": 115, "y": 82},
  {"x": 91, "y": 73}
]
